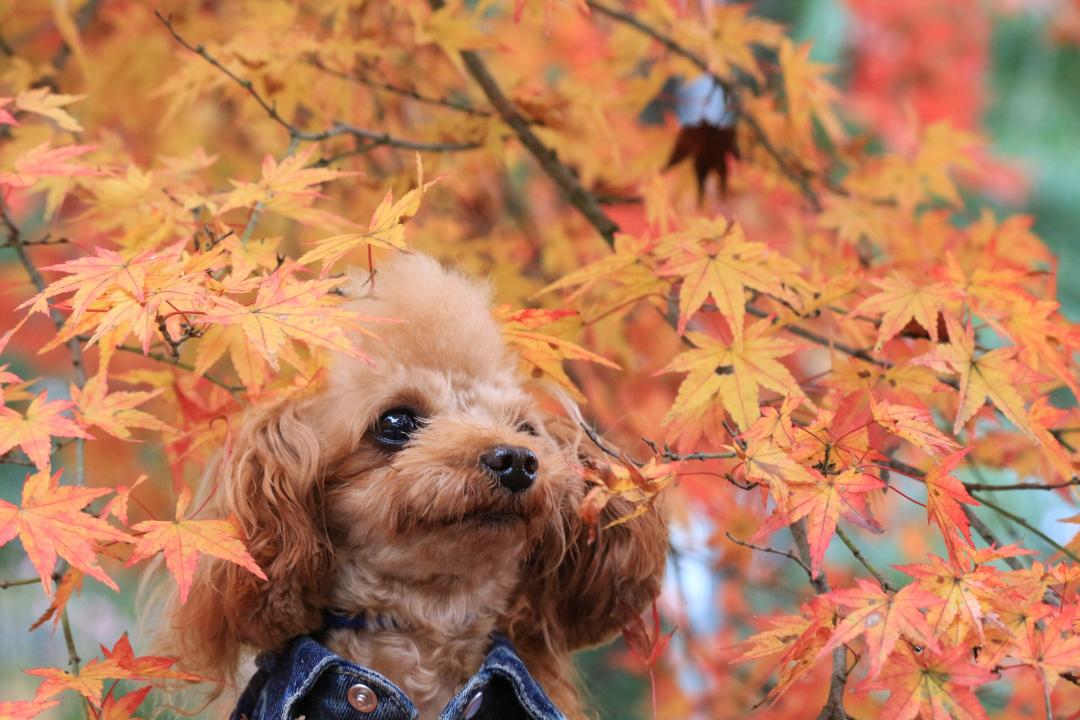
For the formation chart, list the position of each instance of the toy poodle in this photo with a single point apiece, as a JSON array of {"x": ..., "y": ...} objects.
[{"x": 417, "y": 518}]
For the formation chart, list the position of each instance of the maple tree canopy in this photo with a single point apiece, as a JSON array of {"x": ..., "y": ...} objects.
[{"x": 831, "y": 363}]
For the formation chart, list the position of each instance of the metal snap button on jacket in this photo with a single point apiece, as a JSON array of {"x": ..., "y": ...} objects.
[
  {"x": 363, "y": 698},
  {"x": 474, "y": 705}
]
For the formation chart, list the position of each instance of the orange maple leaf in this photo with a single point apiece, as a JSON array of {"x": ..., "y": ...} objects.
[
  {"x": 1051, "y": 646},
  {"x": 729, "y": 374},
  {"x": 32, "y": 431},
  {"x": 913, "y": 424},
  {"x": 287, "y": 309},
  {"x": 184, "y": 541},
  {"x": 92, "y": 276},
  {"x": 542, "y": 353},
  {"x": 992, "y": 375},
  {"x": 119, "y": 663},
  {"x": 883, "y": 618},
  {"x": 822, "y": 503},
  {"x": 716, "y": 260},
  {"x": 899, "y": 301},
  {"x": 122, "y": 708},
  {"x": 50, "y": 522},
  {"x": 935, "y": 685},
  {"x": 386, "y": 229},
  {"x": 799, "y": 637},
  {"x": 24, "y": 709},
  {"x": 944, "y": 495},
  {"x": 114, "y": 412}
]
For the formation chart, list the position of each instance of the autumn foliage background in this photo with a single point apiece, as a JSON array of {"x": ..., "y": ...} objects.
[{"x": 803, "y": 297}]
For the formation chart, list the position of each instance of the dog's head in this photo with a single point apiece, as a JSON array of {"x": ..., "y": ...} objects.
[{"x": 430, "y": 467}]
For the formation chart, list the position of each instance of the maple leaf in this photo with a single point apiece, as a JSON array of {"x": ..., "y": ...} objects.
[
  {"x": 944, "y": 495},
  {"x": 288, "y": 188},
  {"x": 40, "y": 162},
  {"x": 992, "y": 375},
  {"x": 183, "y": 541},
  {"x": 119, "y": 663},
  {"x": 41, "y": 101},
  {"x": 822, "y": 503},
  {"x": 541, "y": 352},
  {"x": 647, "y": 645},
  {"x": 24, "y": 709},
  {"x": 715, "y": 259},
  {"x": 625, "y": 279},
  {"x": 72, "y": 581},
  {"x": 50, "y": 522},
  {"x": 964, "y": 593},
  {"x": 386, "y": 229},
  {"x": 772, "y": 466},
  {"x": 1051, "y": 646},
  {"x": 729, "y": 374},
  {"x": 118, "y": 505},
  {"x": 913, "y": 424},
  {"x": 114, "y": 412},
  {"x": 799, "y": 637},
  {"x": 32, "y": 430},
  {"x": 91, "y": 277},
  {"x": 883, "y": 618},
  {"x": 900, "y": 301},
  {"x": 122, "y": 708},
  {"x": 288, "y": 309},
  {"x": 937, "y": 686}
]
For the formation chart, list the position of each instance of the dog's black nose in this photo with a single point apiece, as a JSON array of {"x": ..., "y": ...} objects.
[{"x": 512, "y": 465}]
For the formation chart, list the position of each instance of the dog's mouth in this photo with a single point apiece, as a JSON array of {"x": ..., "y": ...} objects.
[{"x": 487, "y": 518}]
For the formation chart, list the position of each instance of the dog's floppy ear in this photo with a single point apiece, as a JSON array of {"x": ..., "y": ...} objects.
[
  {"x": 271, "y": 481},
  {"x": 587, "y": 581}
]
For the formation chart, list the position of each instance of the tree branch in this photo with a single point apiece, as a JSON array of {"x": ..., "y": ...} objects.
[
  {"x": 78, "y": 364},
  {"x": 834, "y": 705},
  {"x": 5, "y": 584},
  {"x": 561, "y": 174}
]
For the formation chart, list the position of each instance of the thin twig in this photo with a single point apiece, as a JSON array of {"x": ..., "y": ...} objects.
[
  {"x": 182, "y": 365},
  {"x": 1023, "y": 485},
  {"x": 411, "y": 93},
  {"x": 1027, "y": 526},
  {"x": 772, "y": 551},
  {"x": 69, "y": 640},
  {"x": 5, "y": 584},
  {"x": 337, "y": 129},
  {"x": 78, "y": 365},
  {"x": 668, "y": 454},
  {"x": 885, "y": 585}
]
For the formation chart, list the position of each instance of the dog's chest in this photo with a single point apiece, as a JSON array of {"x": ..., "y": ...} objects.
[{"x": 429, "y": 671}]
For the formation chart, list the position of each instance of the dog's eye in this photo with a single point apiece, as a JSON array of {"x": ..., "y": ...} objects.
[
  {"x": 395, "y": 427},
  {"x": 527, "y": 428}
]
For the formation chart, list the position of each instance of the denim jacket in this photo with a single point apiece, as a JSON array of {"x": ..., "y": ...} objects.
[{"x": 309, "y": 681}]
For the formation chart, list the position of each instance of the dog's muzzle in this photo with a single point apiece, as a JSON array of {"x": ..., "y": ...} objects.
[{"x": 512, "y": 465}]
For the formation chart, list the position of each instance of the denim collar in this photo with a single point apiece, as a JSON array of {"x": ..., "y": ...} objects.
[{"x": 309, "y": 679}]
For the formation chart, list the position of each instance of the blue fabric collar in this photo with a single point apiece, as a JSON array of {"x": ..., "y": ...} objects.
[{"x": 309, "y": 679}]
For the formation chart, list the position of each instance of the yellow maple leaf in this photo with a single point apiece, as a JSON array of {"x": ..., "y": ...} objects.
[{"x": 731, "y": 375}]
